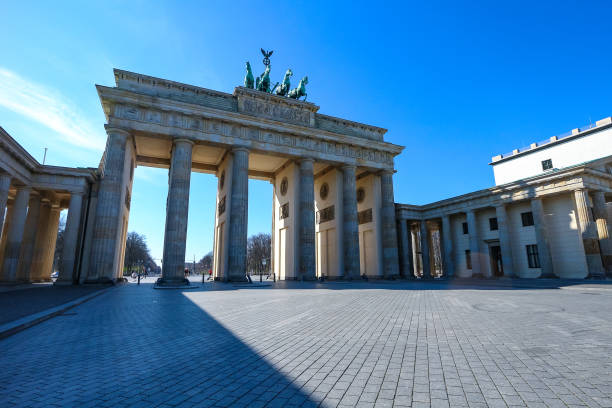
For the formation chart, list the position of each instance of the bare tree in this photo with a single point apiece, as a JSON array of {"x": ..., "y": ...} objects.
[
  {"x": 258, "y": 249},
  {"x": 137, "y": 253},
  {"x": 206, "y": 262}
]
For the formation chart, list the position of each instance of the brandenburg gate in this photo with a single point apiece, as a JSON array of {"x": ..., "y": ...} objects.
[{"x": 333, "y": 205}]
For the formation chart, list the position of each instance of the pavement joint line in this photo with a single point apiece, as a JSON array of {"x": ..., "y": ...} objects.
[{"x": 10, "y": 328}]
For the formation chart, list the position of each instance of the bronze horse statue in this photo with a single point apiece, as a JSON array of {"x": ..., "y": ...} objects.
[
  {"x": 249, "y": 81},
  {"x": 262, "y": 82},
  {"x": 283, "y": 90},
  {"x": 300, "y": 91}
]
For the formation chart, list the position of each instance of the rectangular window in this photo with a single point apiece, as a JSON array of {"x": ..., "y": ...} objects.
[
  {"x": 493, "y": 224},
  {"x": 547, "y": 164},
  {"x": 468, "y": 259},
  {"x": 533, "y": 259},
  {"x": 465, "y": 228},
  {"x": 527, "y": 218}
]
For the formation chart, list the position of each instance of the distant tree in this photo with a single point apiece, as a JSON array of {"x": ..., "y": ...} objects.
[
  {"x": 59, "y": 244},
  {"x": 258, "y": 249},
  {"x": 206, "y": 262},
  {"x": 137, "y": 252}
]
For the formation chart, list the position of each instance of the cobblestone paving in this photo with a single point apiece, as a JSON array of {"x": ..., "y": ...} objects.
[{"x": 361, "y": 344}]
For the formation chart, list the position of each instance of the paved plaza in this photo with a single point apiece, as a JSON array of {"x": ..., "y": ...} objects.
[{"x": 307, "y": 344}]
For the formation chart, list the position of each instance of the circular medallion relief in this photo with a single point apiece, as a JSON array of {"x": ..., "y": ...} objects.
[
  {"x": 284, "y": 186},
  {"x": 324, "y": 191},
  {"x": 360, "y": 194},
  {"x": 222, "y": 180}
]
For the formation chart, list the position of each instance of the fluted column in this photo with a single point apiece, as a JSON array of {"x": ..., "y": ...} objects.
[
  {"x": 239, "y": 215},
  {"x": 541, "y": 232},
  {"x": 5, "y": 184},
  {"x": 602, "y": 221},
  {"x": 404, "y": 249},
  {"x": 106, "y": 231},
  {"x": 41, "y": 244},
  {"x": 71, "y": 235},
  {"x": 447, "y": 244},
  {"x": 590, "y": 239},
  {"x": 504, "y": 240},
  {"x": 306, "y": 221},
  {"x": 474, "y": 242},
  {"x": 50, "y": 242},
  {"x": 389, "y": 233},
  {"x": 177, "y": 211},
  {"x": 350, "y": 224},
  {"x": 5, "y": 229},
  {"x": 29, "y": 239},
  {"x": 426, "y": 264},
  {"x": 15, "y": 234}
]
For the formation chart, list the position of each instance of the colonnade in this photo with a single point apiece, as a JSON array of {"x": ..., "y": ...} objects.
[
  {"x": 237, "y": 218},
  {"x": 30, "y": 223},
  {"x": 594, "y": 229}
]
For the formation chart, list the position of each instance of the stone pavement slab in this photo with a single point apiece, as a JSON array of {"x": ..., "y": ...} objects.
[
  {"x": 310, "y": 344},
  {"x": 18, "y": 303}
]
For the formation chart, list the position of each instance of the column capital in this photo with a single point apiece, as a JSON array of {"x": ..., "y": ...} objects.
[
  {"x": 304, "y": 160},
  {"x": 240, "y": 149},
  {"x": 116, "y": 130},
  {"x": 183, "y": 140},
  {"x": 387, "y": 172},
  {"x": 348, "y": 167},
  {"x": 79, "y": 193}
]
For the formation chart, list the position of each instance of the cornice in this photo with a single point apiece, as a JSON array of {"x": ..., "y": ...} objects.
[{"x": 115, "y": 95}]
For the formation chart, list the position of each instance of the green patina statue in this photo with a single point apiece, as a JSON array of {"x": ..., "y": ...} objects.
[
  {"x": 300, "y": 91},
  {"x": 283, "y": 90},
  {"x": 249, "y": 81},
  {"x": 262, "y": 82}
]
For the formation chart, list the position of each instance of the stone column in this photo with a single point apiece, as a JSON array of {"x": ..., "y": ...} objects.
[
  {"x": 50, "y": 242},
  {"x": 588, "y": 230},
  {"x": 239, "y": 215},
  {"x": 404, "y": 249},
  {"x": 41, "y": 244},
  {"x": 5, "y": 184},
  {"x": 71, "y": 235},
  {"x": 29, "y": 239},
  {"x": 602, "y": 221},
  {"x": 350, "y": 223},
  {"x": 5, "y": 229},
  {"x": 426, "y": 264},
  {"x": 177, "y": 212},
  {"x": 504, "y": 240},
  {"x": 389, "y": 234},
  {"x": 306, "y": 221},
  {"x": 447, "y": 239},
  {"x": 15, "y": 234},
  {"x": 106, "y": 230},
  {"x": 474, "y": 242},
  {"x": 541, "y": 232}
]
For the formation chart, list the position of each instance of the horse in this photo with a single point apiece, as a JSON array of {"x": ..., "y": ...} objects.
[
  {"x": 262, "y": 83},
  {"x": 283, "y": 90},
  {"x": 249, "y": 81},
  {"x": 300, "y": 91}
]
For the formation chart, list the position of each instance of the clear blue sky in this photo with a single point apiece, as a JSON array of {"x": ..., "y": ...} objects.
[{"x": 454, "y": 83}]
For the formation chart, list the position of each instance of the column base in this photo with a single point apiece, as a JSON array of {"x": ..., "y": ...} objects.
[
  {"x": 99, "y": 281},
  {"x": 163, "y": 283},
  {"x": 62, "y": 283}
]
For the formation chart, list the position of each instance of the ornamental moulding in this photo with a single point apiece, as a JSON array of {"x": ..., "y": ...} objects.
[{"x": 219, "y": 127}]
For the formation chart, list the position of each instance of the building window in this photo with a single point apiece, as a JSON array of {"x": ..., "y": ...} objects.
[
  {"x": 465, "y": 228},
  {"x": 493, "y": 224},
  {"x": 547, "y": 164},
  {"x": 533, "y": 259},
  {"x": 468, "y": 259},
  {"x": 527, "y": 218}
]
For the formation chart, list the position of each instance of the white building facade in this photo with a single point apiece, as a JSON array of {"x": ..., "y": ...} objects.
[{"x": 549, "y": 215}]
